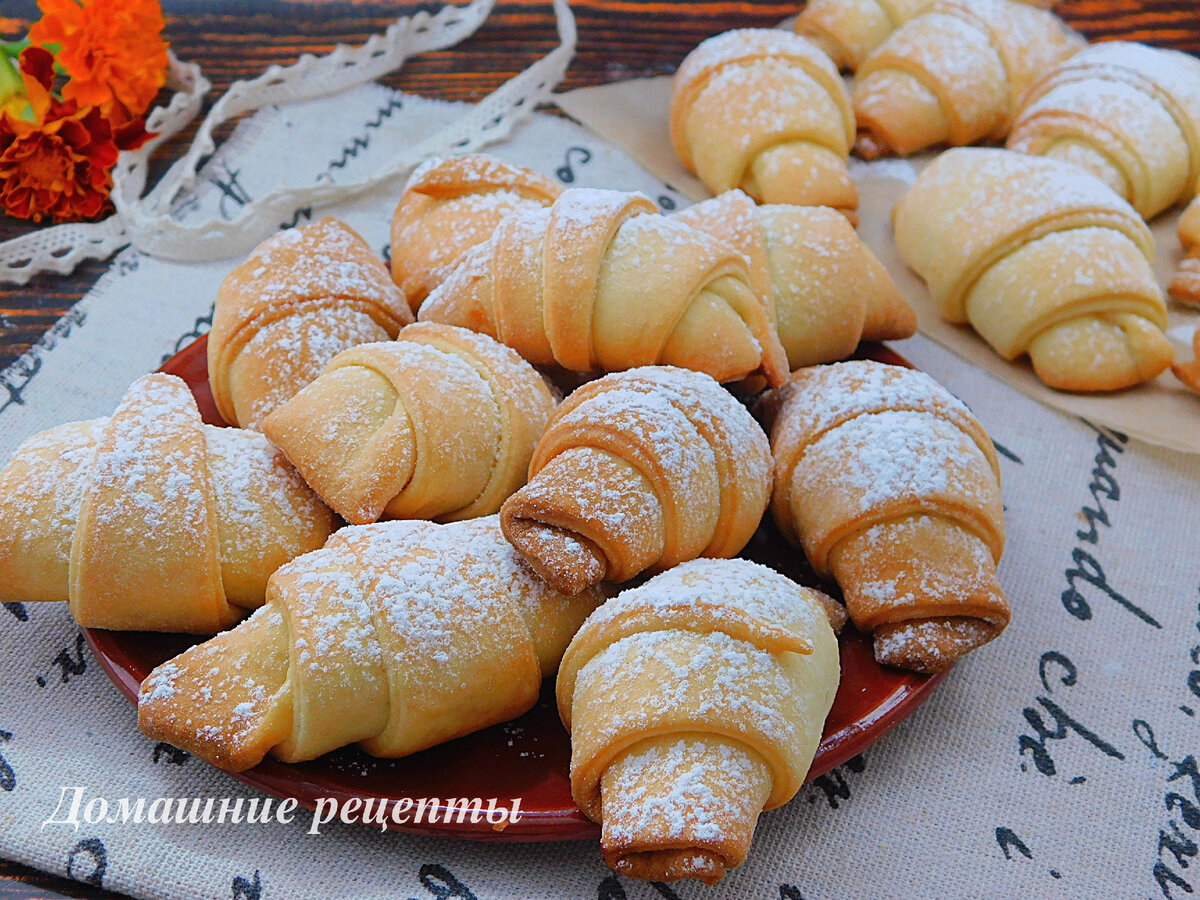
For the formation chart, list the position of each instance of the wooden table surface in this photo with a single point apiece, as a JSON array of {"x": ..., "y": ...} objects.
[{"x": 618, "y": 39}]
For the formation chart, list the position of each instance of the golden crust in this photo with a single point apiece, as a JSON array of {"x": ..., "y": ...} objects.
[
  {"x": 300, "y": 298},
  {"x": 151, "y": 520},
  {"x": 599, "y": 281},
  {"x": 892, "y": 488},
  {"x": 449, "y": 206},
  {"x": 341, "y": 652},
  {"x": 640, "y": 471}
]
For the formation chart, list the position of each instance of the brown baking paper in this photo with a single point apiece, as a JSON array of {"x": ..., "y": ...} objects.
[{"x": 633, "y": 115}]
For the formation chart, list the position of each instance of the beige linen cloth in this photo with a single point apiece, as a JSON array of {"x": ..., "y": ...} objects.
[{"x": 1059, "y": 761}]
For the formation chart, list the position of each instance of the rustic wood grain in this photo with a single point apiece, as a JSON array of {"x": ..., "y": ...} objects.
[
  {"x": 18, "y": 882},
  {"x": 618, "y": 39}
]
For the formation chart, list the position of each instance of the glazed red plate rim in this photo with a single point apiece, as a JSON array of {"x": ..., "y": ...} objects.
[{"x": 529, "y": 757}]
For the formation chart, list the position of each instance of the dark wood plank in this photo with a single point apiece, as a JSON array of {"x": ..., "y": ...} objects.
[{"x": 19, "y": 882}]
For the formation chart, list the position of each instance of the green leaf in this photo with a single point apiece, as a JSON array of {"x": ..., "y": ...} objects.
[
  {"x": 14, "y": 48},
  {"x": 10, "y": 78}
]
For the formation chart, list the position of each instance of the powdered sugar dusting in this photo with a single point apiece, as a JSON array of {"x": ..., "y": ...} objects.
[
  {"x": 324, "y": 259},
  {"x": 45, "y": 482},
  {"x": 265, "y": 512},
  {"x": 931, "y": 645},
  {"x": 690, "y": 426},
  {"x": 745, "y": 44},
  {"x": 295, "y": 348},
  {"x": 160, "y": 685},
  {"x": 653, "y": 424},
  {"x": 685, "y": 789},
  {"x": 756, "y": 591},
  {"x": 142, "y": 473},
  {"x": 255, "y": 486},
  {"x": 880, "y": 458},
  {"x": 819, "y": 399},
  {"x": 648, "y": 675}
]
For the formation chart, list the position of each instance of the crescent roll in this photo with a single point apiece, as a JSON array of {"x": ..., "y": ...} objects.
[
  {"x": 1189, "y": 372},
  {"x": 848, "y": 30},
  {"x": 827, "y": 289},
  {"x": 892, "y": 488},
  {"x": 301, "y": 297},
  {"x": 395, "y": 636},
  {"x": 954, "y": 74},
  {"x": 765, "y": 111},
  {"x": 640, "y": 471},
  {"x": 151, "y": 520},
  {"x": 449, "y": 206},
  {"x": 601, "y": 281},
  {"x": 1043, "y": 259},
  {"x": 439, "y": 423},
  {"x": 1185, "y": 287},
  {"x": 695, "y": 702},
  {"x": 1128, "y": 113}
]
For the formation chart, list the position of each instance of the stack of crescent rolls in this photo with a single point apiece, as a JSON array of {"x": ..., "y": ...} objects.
[
  {"x": 539, "y": 444},
  {"x": 402, "y": 491}
]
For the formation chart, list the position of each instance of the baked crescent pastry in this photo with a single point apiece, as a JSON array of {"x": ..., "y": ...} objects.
[
  {"x": 1189, "y": 373},
  {"x": 1042, "y": 259},
  {"x": 449, "y": 206},
  {"x": 848, "y": 30},
  {"x": 954, "y": 74},
  {"x": 695, "y": 702},
  {"x": 892, "y": 488},
  {"x": 640, "y": 471},
  {"x": 827, "y": 289},
  {"x": 151, "y": 520},
  {"x": 765, "y": 111},
  {"x": 599, "y": 280},
  {"x": 301, "y": 297},
  {"x": 396, "y": 636},
  {"x": 1185, "y": 287},
  {"x": 1128, "y": 113},
  {"x": 439, "y": 423}
]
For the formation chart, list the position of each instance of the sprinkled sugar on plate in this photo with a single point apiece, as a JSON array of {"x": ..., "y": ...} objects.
[{"x": 527, "y": 758}]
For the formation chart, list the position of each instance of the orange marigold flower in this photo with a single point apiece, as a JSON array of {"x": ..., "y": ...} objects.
[
  {"x": 59, "y": 166},
  {"x": 111, "y": 50}
]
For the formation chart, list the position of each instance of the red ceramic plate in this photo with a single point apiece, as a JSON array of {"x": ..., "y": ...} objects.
[{"x": 527, "y": 758}]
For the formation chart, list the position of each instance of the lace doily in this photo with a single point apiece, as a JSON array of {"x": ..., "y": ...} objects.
[{"x": 146, "y": 221}]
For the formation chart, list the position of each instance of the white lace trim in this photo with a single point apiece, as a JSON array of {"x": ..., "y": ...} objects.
[{"x": 146, "y": 221}]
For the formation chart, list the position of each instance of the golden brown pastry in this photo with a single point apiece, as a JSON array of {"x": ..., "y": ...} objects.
[
  {"x": 438, "y": 424},
  {"x": 827, "y": 289},
  {"x": 892, "y": 488},
  {"x": 640, "y": 471},
  {"x": 396, "y": 636},
  {"x": 151, "y": 520},
  {"x": 695, "y": 702},
  {"x": 1185, "y": 287},
  {"x": 1128, "y": 113},
  {"x": 600, "y": 281},
  {"x": 765, "y": 111},
  {"x": 848, "y": 30},
  {"x": 301, "y": 298},
  {"x": 449, "y": 206},
  {"x": 1189, "y": 372},
  {"x": 954, "y": 74},
  {"x": 1042, "y": 259}
]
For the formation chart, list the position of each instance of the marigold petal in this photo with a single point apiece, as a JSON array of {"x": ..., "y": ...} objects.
[{"x": 111, "y": 50}]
